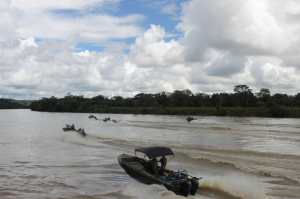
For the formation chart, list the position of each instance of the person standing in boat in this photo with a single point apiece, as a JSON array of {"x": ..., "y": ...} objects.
[
  {"x": 163, "y": 162},
  {"x": 154, "y": 165}
]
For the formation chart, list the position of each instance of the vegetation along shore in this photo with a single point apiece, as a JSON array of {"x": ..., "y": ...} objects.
[
  {"x": 240, "y": 103},
  {"x": 14, "y": 104}
]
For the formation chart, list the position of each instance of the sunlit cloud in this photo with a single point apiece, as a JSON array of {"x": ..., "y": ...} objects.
[{"x": 92, "y": 47}]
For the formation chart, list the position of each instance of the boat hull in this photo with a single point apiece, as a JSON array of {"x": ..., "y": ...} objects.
[
  {"x": 81, "y": 132},
  {"x": 139, "y": 173}
]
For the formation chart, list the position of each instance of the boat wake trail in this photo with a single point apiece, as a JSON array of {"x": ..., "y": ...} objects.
[
  {"x": 229, "y": 188},
  {"x": 207, "y": 189},
  {"x": 154, "y": 191}
]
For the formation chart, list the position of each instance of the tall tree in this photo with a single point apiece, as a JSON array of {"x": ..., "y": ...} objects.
[
  {"x": 163, "y": 98},
  {"x": 182, "y": 98},
  {"x": 263, "y": 94},
  {"x": 296, "y": 100},
  {"x": 243, "y": 95},
  {"x": 202, "y": 100},
  {"x": 282, "y": 99}
]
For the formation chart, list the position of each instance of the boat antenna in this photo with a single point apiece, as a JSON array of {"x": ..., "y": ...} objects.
[{"x": 171, "y": 159}]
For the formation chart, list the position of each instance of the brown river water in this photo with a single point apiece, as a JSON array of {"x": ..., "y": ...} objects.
[{"x": 237, "y": 157}]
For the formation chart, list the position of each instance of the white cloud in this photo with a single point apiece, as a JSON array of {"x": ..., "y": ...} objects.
[
  {"x": 170, "y": 9},
  {"x": 60, "y": 19},
  {"x": 28, "y": 42},
  {"x": 8, "y": 19},
  {"x": 36, "y": 6},
  {"x": 242, "y": 32},
  {"x": 36, "y": 68},
  {"x": 224, "y": 43},
  {"x": 241, "y": 27},
  {"x": 91, "y": 27},
  {"x": 151, "y": 50}
]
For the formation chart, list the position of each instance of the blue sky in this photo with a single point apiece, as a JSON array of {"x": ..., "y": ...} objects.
[
  {"x": 151, "y": 12},
  {"x": 122, "y": 47}
]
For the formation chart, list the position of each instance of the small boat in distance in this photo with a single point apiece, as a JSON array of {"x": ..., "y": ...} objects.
[
  {"x": 81, "y": 132},
  {"x": 69, "y": 127},
  {"x": 72, "y": 128},
  {"x": 92, "y": 116},
  {"x": 190, "y": 119},
  {"x": 141, "y": 170},
  {"x": 106, "y": 119}
]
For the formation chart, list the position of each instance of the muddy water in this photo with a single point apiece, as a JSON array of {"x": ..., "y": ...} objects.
[{"x": 237, "y": 157}]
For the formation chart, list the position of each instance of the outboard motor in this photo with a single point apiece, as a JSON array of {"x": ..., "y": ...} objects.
[
  {"x": 195, "y": 185},
  {"x": 185, "y": 188}
]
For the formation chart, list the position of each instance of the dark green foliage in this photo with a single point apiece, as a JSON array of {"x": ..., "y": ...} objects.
[
  {"x": 241, "y": 103},
  {"x": 14, "y": 104}
]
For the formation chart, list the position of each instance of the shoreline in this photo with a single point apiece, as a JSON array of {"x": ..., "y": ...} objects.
[{"x": 273, "y": 112}]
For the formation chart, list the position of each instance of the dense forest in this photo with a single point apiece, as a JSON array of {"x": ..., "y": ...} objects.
[
  {"x": 243, "y": 102},
  {"x": 14, "y": 104}
]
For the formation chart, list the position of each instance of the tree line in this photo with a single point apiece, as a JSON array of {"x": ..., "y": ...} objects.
[
  {"x": 14, "y": 104},
  {"x": 243, "y": 102}
]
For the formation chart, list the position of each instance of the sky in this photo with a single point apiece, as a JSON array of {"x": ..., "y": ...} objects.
[{"x": 127, "y": 47}]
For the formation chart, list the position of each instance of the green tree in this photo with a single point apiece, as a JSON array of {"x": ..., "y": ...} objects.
[
  {"x": 202, "y": 100},
  {"x": 182, "y": 98},
  {"x": 282, "y": 99},
  {"x": 244, "y": 96},
  {"x": 296, "y": 100},
  {"x": 117, "y": 101},
  {"x": 163, "y": 98},
  {"x": 144, "y": 100},
  {"x": 263, "y": 95}
]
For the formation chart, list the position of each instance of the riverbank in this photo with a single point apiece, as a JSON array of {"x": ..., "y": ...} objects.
[
  {"x": 14, "y": 104},
  {"x": 275, "y": 111}
]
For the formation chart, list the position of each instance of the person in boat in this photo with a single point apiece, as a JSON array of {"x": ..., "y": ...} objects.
[
  {"x": 73, "y": 126},
  {"x": 154, "y": 165},
  {"x": 163, "y": 162}
]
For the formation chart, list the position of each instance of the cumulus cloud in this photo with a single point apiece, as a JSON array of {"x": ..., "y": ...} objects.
[
  {"x": 226, "y": 65},
  {"x": 223, "y": 44},
  {"x": 240, "y": 33},
  {"x": 241, "y": 27},
  {"x": 39, "y": 68},
  {"x": 9, "y": 16},
  {"x": 151, "y": 50}
]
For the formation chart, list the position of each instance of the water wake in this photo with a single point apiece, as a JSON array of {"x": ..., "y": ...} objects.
[
  {"x": 271, "y": 164},
  {"x": 230, "y": 187},
  {"x": 141, "y": 191}
]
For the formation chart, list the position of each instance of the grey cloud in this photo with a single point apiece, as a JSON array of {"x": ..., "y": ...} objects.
[
  {"x": 196, "y": 76},
  {"x": 240, "y": 27},
  {"x": 9, "y": 17},
  {"x": 196, "y": 45},
  {"x": 226, "y": 66},
  {"x": 291, "y": 60}
]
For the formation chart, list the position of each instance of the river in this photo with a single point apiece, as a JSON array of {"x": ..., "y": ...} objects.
[{"x": 238, "y": 157}]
